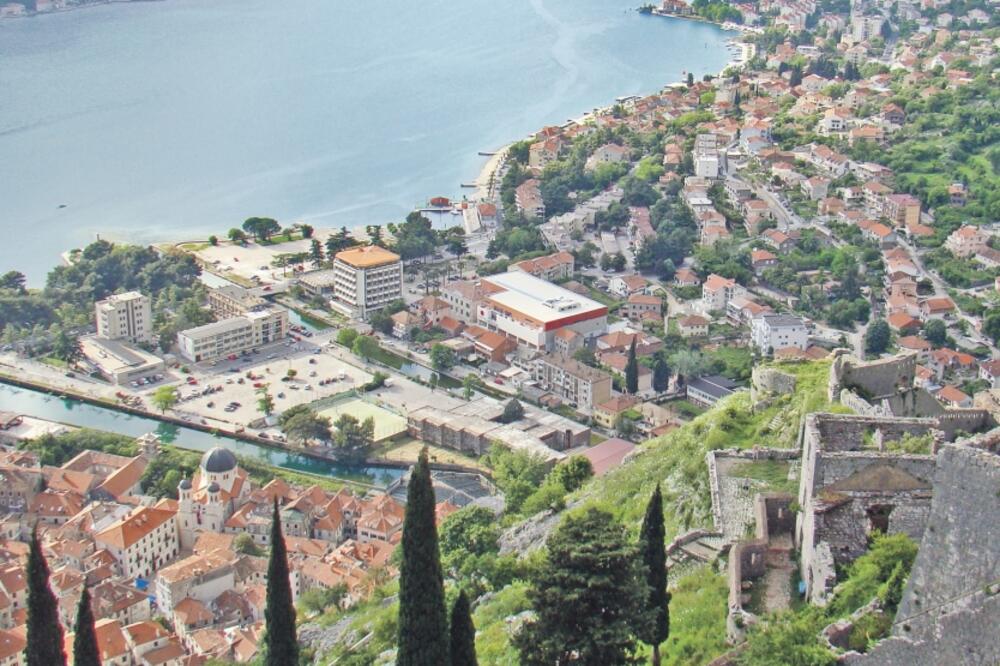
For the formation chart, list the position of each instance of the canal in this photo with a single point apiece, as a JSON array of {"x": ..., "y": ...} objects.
[{"x": 74, "y": 412}]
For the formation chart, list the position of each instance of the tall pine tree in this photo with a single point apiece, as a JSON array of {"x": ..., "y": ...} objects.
[
  {"x": 423, "y": 617},
  {"x": 463, "y": 633},
  {"x": 632, "y": 371},
  {"x": 44, "y": 633},
  {"x": 654, "y": 557},
  {"x": 281, "y": 647},
  {"x": 85, "y": 651}
]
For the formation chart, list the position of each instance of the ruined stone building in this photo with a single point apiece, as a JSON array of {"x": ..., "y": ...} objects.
[{"x": 851, "y": 484}]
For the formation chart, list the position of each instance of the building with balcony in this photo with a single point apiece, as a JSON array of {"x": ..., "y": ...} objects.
[
  {"x": 366, "y": 279},
  {"x": 233, "y": 336},
  {"x": 125, "y": 316}
]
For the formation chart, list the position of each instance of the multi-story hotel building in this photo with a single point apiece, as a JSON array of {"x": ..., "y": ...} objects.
[
  {"x": 234, "y": 335},
  {"x": 532, "y": 311},
  {"x": 125, "y": 316},
  {"x": 366, "y": 279}
]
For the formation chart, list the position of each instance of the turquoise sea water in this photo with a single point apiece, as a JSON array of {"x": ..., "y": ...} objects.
[{"x": 168, "y": 120}]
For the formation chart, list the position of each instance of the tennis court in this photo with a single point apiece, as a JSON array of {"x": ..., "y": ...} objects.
[{"x": 387, "y": 424}]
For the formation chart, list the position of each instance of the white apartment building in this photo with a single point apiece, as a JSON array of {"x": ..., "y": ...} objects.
[
  {"x": 233, "y": 336},
  {"x": 771, "y": 332},
  {"x": 708, "y": 160},
  {"x": 125, "y": 316},
  {"x": 142, "y": 542},
  {"x": 366, "y": 279},
  {"x": 717, "y": 291}
]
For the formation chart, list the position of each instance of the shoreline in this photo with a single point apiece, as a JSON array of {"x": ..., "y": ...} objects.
[{"x": 485, "y": 185}]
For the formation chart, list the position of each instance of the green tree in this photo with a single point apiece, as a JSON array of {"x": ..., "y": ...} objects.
[
  {"x": 467, "y": 534},
  {"x": 281, "y": 647},
  {"x": 935, "y": 332},
  {"x": 213, "y": 240},
  {"x": 365, "y": 346},
  {"x": 317, "y": 599},
  {"x": 66, "y": 347},
  {"x": 237, "y": 235},
  {"x": 512, "y": 411},
  {"x": 13, "y": 280},
  {"x": 346, "y": 337},
  {"x": 265, "y": 402},
  {"x": 571, "y": 473},
  {"x": 307, "y": 230},
  {"x": 632, "y": 371},
  {"x": 586, "y": 596},
  {"x": 423, "y": 619},
  {"x": 469, "y": 383},
  {"x": 463, "y": 633},
  {"x": 354, "y": 438},
  {"x": 586, "y": 356},
  {"x": 442, "y": 358},
  {"x": 877, "y": 337},
  {"x": 654, "y": 556},
  {"x": 306, "y": 426},
  {"x": 316, "y": 251},
  {"x": 44, "y": 633},
  {"x": 85, "y": 650},
  {"x": 991, "y": 326},
  {"x": 165, "y": 398},
  {"x": 661, "y": 375},
  {"x": 244, "y": 544},
  {"x": 262, "y": 228}
]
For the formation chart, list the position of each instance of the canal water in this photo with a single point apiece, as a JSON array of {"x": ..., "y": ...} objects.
[{"x": 74, "y": 412}]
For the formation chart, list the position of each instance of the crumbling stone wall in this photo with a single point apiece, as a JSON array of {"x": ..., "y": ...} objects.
[
  {"x": 969, "y": 421},
  {"x": 960, "y": 552},
  {"x": 874, "y": 379},
  {"x": 767, "y": 383},
  {"x": 748, "y": 559},
  {"x": 950, "y": 611}
]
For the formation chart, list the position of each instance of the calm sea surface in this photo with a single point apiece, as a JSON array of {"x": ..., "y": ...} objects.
[{"x": 170, "y": 120}]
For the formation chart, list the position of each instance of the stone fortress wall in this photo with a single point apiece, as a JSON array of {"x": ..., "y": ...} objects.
[{"x": 950, "y": 611}]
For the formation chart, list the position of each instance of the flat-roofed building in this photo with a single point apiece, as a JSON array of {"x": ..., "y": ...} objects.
[
  {"x": 580, "y": 384},
  {"x": 118, "y": 361},
  {"x": 531, "y": 310},
  {"x": 125, "y": 316},
  {"x": 233, "y": 301},
  {"x": 366, "y": 279},
  {"x": 234, "y": 335},
  {"x": 771, "y": 332},
  {"x": 706, "y": 391}
]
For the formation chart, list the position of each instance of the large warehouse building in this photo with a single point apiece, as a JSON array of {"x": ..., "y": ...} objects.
[{"x": 532, "y": 311}]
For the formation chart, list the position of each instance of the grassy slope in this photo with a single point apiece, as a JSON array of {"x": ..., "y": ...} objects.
[{"x": 698, "y": 607}]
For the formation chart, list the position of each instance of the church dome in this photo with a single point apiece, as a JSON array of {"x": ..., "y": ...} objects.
[
  {"x": 213, "y": 487},
  {"x": 218, "y": 461},
  {"x": 185, "y": 484}
]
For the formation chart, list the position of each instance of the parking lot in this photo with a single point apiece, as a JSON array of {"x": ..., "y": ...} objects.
[{"x": 229, "y": 391}]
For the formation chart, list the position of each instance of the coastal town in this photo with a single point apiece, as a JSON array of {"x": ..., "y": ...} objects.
[{"x": 773, "y": 291}]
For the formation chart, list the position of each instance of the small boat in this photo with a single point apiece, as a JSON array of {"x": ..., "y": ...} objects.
[{"x": 62, "y": 205}]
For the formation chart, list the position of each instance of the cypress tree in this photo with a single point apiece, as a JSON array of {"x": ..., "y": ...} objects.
[
  {"x": 423, "y": 617},
  {"x": 44, "y": 633},
  {"x": 661, "y": 375},
  {"x": 632, "y": 371},
  {"x": 281, "y": 647},
  {"x": 654, "y": 556},
  {"x": 463, "y": 633},
  {"x": 85, "y": 651}
]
